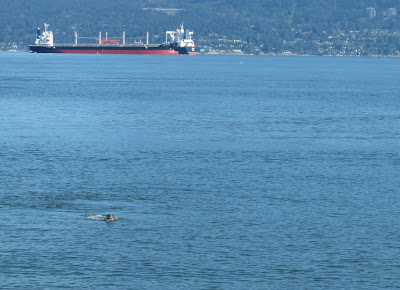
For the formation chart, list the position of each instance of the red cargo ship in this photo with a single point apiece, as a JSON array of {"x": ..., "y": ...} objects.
[{"x": 176, "y": 42}]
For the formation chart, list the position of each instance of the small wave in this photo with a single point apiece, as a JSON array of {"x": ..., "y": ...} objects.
[{"x": 98, "y": 217}]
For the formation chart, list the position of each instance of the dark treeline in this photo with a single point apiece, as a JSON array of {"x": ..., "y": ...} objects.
[{"x": 269, "y": 25}]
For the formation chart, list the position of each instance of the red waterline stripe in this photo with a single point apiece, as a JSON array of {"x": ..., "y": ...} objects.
[{"x": 160, "y": 52}]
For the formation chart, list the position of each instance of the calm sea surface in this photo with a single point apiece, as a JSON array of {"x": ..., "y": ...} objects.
[{"x": 226, "y": 172}]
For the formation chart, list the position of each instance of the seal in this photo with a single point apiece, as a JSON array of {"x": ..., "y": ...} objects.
[{"x": 110, "y": 217}]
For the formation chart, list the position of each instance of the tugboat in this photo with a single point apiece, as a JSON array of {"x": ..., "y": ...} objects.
[{"x": 176, "y": 42}]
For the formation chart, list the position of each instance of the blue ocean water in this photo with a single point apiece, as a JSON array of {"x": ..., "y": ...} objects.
[{"x": 226, "y": 172}]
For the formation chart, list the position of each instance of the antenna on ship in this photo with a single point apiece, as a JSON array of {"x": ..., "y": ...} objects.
[{"x": 46, "y": 26}]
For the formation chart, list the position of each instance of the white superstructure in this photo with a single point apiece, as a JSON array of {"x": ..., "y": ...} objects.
[
  {"x": 182, "y": 36},
  {"x": 46, "y": 38}
]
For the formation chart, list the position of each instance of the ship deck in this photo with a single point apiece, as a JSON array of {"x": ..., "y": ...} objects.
[{"x": 130, "y": 45}]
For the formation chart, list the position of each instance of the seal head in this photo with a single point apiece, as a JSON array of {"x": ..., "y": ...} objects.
[{"x": 110, "y": 217}]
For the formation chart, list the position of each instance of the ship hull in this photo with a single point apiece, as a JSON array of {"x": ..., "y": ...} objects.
[
  {"x": 151, "y": 49},
  {"x": 188, "y": 50}
]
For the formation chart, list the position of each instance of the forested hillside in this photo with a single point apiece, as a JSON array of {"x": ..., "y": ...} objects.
[{"x": 256, "y": 26}]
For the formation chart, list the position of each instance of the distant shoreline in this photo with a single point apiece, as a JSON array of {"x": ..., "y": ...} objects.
[{"x": 262, "y": 54}]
